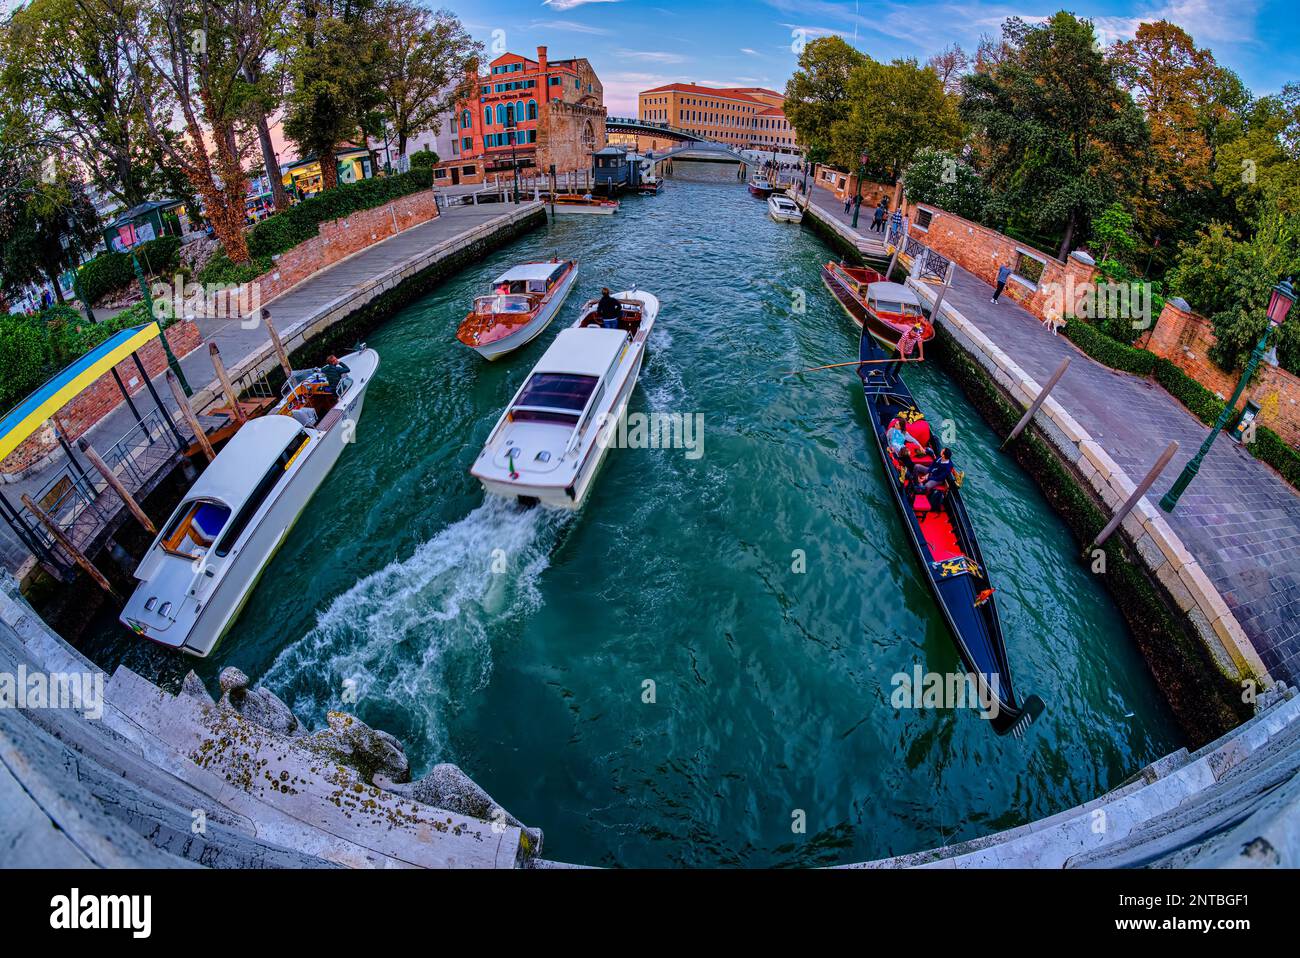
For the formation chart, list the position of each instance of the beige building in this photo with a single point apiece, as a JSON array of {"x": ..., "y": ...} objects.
[{"x": 743, "y": 117}]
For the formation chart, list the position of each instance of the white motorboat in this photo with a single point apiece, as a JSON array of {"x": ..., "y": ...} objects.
[
  {"x": 586, "y": 205},
  {"x": 523, "y": 302},
  {"x": 204, "y": 565},
  {"x": 552, "y": 438},
  {"x": 783, "y": 209}
]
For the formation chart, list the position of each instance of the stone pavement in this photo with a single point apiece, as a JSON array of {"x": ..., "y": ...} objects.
[
  {"x": 1238, "y": 518},
  {"x": 292, "y": 309}
]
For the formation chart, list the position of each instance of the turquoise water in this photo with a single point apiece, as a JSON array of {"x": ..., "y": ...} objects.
[{"x": 769, "y": 687}]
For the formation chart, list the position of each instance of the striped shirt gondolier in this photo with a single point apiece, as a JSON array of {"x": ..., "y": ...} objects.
[{"x": 909, "y": 340}]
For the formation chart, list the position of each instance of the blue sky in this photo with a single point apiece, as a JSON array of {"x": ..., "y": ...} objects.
[{"x": 637, "y": 44}]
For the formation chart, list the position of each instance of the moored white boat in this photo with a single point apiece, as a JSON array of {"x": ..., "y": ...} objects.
[
  {"x": 549, "y": 443},
  {"x": 760, "y": 185},
  {"x": 204, "y": 565},
  {"x": 783, "y": 209},
  {"x": 524, "y": 300}
]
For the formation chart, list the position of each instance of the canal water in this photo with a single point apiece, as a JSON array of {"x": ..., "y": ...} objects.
[{"x": 701, "y": 662}]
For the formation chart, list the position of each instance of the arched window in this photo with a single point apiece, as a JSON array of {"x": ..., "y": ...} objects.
[
  {"x": 501, "y": 114},
  {"x": 510, "y": 113},
  {"x": 487, "y": 116},
  {"x": 465, "y": 121},
  {"x": 532, "y": 109}
]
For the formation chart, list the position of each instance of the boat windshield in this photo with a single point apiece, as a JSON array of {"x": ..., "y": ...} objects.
[
  {"x": 508, "y": 303},
  {"x": 557, "y": 391},
  {"x": 907, "y": 309}
]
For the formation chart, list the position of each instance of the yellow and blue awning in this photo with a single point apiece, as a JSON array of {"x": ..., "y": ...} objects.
[{"x": 28, "y": 416}]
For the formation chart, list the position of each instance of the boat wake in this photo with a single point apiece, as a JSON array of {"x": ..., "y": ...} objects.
[{"x": 412, "y": 641}]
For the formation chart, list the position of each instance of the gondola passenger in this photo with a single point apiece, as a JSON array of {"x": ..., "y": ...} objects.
[
  {"x": 899, "y": 441},
  {"x": 936, "y": 477}
]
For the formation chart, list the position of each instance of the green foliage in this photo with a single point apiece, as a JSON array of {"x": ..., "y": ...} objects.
[
  {"x": 423, "y": 160},
  {"x": 110, "y": 273},
  {"x": 1058, "y": 122},
  {"x": 1272, "y": 449},
  {"x": 816, "y": 95},
  {"x": 1107, "y": 351},
  {"x": 1112, "y": 232},
  {"x": 1201, "y": 402},
  {"x": 24, "y": 357},
  {"x": 939, "y": 178},
  {"x": 49, "y": 224},
  {"x": 283, "y": 231}
]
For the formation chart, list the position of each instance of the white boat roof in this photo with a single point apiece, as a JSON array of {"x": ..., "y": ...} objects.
[
  {"x": 586, "y": 352},
  {"x": 525, "y": 271},
  {"x": 780, "y": 200},
  {"x": 240, "y": 466},
  {"x": 893, "y": 293}
]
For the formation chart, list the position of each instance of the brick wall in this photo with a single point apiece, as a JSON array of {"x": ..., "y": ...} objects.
[
  {"x": 343, "y": 237},
  {"x": 845, "y": 186},
  {"x": 1185, "y": 338},
  {"x": 101, "y": 397}
]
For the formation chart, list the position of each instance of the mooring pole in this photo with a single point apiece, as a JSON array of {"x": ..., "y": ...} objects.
[
  {"x": 278, "y": 345},
  {"x": 111, "y": 478},
  {"x": 66, "y": 544},
  {"x": 188, "y": 412},
  {"x": 1132, "y": 500},
  {"x": 1034, "y": 406},
  {"x": 943, "y": 291},
  {"x": 226, "y": 386}
]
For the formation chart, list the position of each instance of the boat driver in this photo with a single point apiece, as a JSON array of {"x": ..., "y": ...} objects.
[
  {"x": 334, "y": 370},
  {"x": 609, "y": 310}
]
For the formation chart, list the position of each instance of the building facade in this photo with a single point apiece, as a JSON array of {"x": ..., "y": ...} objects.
[
  {"x": 741, "y": 117},
  {"x": 531, "y": 113}
]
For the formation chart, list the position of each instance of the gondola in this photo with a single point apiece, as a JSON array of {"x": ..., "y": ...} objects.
[{"x": 945, "y": 542}]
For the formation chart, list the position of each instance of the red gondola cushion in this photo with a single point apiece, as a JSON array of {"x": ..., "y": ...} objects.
[{"x": 920, "y": 431}]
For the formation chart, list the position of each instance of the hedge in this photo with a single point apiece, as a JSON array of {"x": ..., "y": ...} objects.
[
  {"x": 1201, "y": 402},
  {"x": 111, "y": 272},
  {"x": 283, "y": 231}
]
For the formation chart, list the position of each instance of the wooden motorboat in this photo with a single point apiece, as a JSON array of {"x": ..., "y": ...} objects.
[
  {"x": 760, "y": 185},
  {"x": 945, "y": 542},
  {"x": 201, "y": 569},
  {"x": 783, "y": 209},
  {"x": 550, "y": 441},
  {"x": 884, "y": 309},
  {"x": 523, "y": 301},
  {"x": 586, "y": 205}
]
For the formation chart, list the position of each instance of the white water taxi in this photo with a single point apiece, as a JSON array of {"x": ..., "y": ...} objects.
[
  {"x": 783, "y": 209},
  {"x": 552, "y": 438},
  {"x": 204, "y": 565},
  {"x": 524, "y": 300}
]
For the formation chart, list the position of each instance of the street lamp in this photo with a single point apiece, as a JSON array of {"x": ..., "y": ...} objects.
[
  {"x": 857, "y": 199},
  {"x": 1279, "y": 305}
]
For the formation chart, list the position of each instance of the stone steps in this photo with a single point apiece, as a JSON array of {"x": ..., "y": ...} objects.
[{"x": 295, "y": 797}]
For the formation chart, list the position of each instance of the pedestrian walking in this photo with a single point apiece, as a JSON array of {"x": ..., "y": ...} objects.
[
  {"x": 1004, "y": 271},
  {"x": 847, "y": 204},
  {"x": 878, "y": 217}
]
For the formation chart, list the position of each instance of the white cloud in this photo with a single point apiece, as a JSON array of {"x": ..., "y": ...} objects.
[
  {"x": 563, "y": 5},
  {"x": 652, "y": 56},
  {"x": 750, "y": 51},
  {"x": 570, "y": 27}
]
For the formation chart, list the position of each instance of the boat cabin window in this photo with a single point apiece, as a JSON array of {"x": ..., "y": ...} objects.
[
  {"x": 558, "y": 391},
  {"x": 489, "y": 305},
  {"x": 195, "y": 527},
  {"x": 885, "y": 306},
  {"x": 258, "y": 496}
]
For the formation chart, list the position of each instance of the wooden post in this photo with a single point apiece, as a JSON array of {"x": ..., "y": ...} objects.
[
  {"x": 1132, "y": 500},
  {"x": 77, "y": 555},
  {"x": 278, "y": 344},
  {"x": 188, "y": 412},
  {"x": 111, "y": 478},
  {"x": 1038, "y": 401},
  {"x": 226, "y": 386},
  {"x": 943, "y": 291}
]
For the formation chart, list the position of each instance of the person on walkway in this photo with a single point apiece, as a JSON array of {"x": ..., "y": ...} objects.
[
  {"x": 609, "y": 310},
  {"x": 334, "y": 370},
  {"x": 896, "y": 221},
  {"x": 878, "y": 217},
  {"x": 1004, "y": 272},
  {"x": 936, "y": 475},
  {"x": 848, "y": 204}
]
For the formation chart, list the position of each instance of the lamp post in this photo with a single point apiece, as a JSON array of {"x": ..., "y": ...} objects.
[
  {"x": 172, "y": 361},
  {"x": 1278, "y": 306},
  {"x": 857, "y": 199}
]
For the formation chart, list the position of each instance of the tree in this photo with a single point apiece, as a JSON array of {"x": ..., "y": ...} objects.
[
  {"x": 895, "y": 110},
  {"x": 1060, "y": 129},
  {"x": 1113, "y": 229},
  {"x": 51, "y": 225},
  {"x": 66, "y": 65},
  {"x": 431, "y": 63},
  {"x": 335, "y": 63},
  {"x": 1260, "y": 170},
  {"x": 817, "y": 96},
  {"x": 950, "y": 64},
  {"x": 265, "y": 78},
  {"x": 939, "y": 178}
]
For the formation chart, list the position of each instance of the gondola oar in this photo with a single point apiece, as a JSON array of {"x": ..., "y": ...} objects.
[{"x": 858, "y": 362}]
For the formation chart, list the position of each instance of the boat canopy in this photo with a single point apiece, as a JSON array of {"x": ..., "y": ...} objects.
[
  {"x": 588, "y": 352},
  {"x": 893, "y": 293},
  {"x": 534, "y": 272},
  {"x": 233, "y": 475}
]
